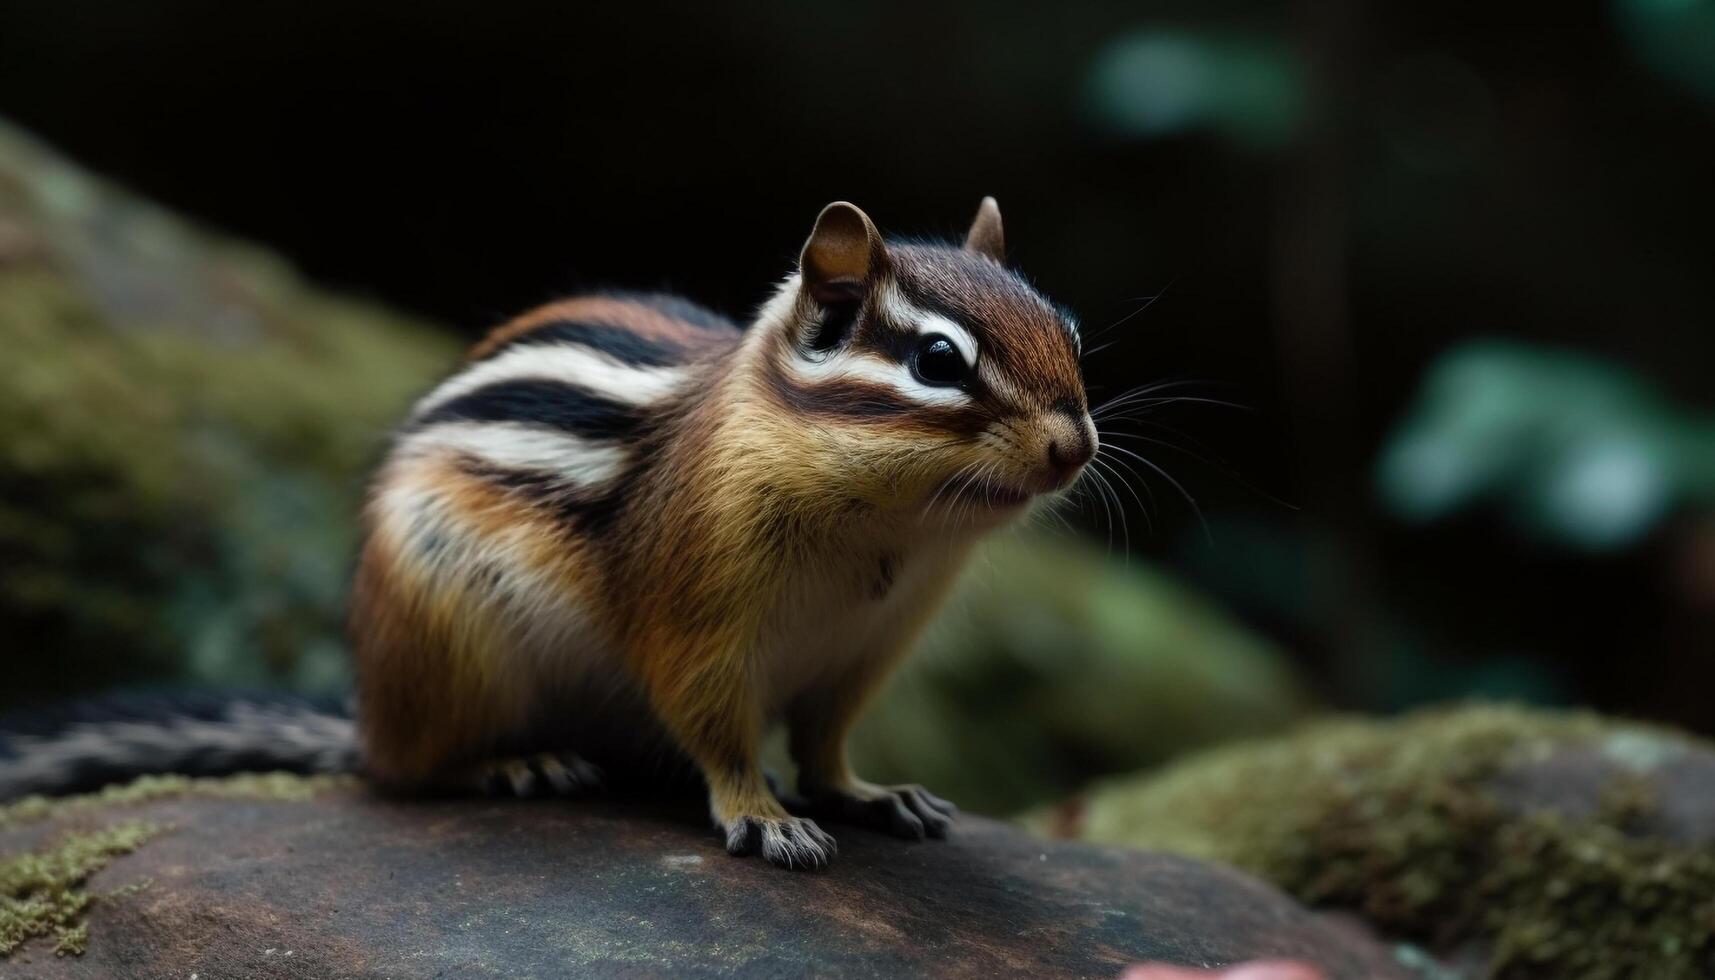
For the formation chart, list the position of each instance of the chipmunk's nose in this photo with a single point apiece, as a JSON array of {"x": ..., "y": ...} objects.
[{"x": 1067, "y": 455}]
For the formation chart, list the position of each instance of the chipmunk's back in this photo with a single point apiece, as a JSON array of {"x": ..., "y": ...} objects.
[
  {"x": 644, "y": 329},
  {"x": 481, "y": 550}
]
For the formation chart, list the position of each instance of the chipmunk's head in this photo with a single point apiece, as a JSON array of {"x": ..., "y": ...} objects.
[{"x": 928, "y": 377}]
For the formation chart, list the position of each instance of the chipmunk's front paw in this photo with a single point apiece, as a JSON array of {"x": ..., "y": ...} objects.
[
  {"x": 911, "y": 812},
  {"x": 790, "y": 842}
]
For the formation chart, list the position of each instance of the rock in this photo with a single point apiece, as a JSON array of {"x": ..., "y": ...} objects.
[
  {"x": 1511, "y": 842},
  {"x": 345, "y": 884}
]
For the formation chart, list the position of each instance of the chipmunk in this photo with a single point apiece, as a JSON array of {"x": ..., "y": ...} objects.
[{"x": 626, "y": 529}]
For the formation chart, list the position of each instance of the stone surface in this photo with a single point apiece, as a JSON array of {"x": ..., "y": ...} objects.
[{"x": 350, "y": 885}]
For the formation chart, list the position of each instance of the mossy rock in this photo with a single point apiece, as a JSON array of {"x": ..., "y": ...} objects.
[
  {"x": 257, "y": 880},
  {"x": 1515, "y": 843},
  {"x": 43, "y": 889},
  {"x": 184, "y": 427}
]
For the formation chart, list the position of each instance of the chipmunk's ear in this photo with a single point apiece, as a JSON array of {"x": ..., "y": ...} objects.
[
  {"x": 985, "y": 237},
  {"x": 843, "y": 255}
]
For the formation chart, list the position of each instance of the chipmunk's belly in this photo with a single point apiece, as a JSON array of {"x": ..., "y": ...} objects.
[
  {"x": 581, "y": 694},
  {"x": 840, "y": 619}
]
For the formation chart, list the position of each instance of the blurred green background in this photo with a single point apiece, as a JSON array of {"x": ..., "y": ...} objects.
[{"x": 1433, "y": 282}]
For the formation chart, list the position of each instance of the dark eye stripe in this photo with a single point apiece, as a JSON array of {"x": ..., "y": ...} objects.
[{"x": 894, "y": 343}]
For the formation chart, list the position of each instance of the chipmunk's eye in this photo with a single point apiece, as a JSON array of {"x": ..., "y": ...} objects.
[{"x": 937, "y": 362}]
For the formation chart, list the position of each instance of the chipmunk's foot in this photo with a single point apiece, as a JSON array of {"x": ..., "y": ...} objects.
[
  {"x": 911, "y": 812},
  {"x": 561, "y": 774},
  {"x": 790, "y": 842}
]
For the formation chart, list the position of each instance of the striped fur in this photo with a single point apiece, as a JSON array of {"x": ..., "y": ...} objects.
[{"x": 628, "y": 530}]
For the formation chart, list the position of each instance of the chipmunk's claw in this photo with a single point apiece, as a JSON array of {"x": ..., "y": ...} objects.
[
  {"x": 789, "y": 842},
  {"x": 911, "y": 812}
]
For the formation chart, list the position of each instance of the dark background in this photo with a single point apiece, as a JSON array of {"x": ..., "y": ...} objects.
[{"x": 1297, "y": 208}]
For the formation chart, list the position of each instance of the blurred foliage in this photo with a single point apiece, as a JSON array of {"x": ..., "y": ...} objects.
[
  {"x": 1437, "y": 115},
  {"x": 1575, "y": 450},
  {"x": 1162, "y": 83},
  {"x": 183, "y": 430},
  {"x": 1054, "y": 664},
  {"x": 1676, "y": 38},
  {"x": 1424, "y": 827}
]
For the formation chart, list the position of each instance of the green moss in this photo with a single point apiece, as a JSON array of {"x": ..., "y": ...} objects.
[
  {"x": 41, "y": 893},
  {"x": 253, "y": 786},
  {"x": 1398, "y": 822},
  {"x": 187, "y": 504}
]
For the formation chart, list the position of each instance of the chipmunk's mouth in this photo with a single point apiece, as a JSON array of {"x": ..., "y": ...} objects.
[{"x": 986, "y": 494}]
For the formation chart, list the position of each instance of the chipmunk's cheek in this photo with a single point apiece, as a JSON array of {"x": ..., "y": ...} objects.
[{"x": 988, "y": 489}]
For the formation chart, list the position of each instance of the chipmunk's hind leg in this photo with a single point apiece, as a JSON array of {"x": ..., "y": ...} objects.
[{"x": 558, "y": 774}]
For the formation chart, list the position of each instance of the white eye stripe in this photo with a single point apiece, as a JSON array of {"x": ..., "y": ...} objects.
[
  {"x": 903, "y": 311},
  {"x": 888, "y": 374},
  {"x": 933, "y": 323}
]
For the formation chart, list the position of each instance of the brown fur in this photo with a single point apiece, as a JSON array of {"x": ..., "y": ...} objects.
[{"x": 430, "y": 701}]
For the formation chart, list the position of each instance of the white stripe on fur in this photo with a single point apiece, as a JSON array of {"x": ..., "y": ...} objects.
[
  {"x": 888, "y": 374},
  {"x": 572, "y": 364},
  {"x": 520, "y": 446}
]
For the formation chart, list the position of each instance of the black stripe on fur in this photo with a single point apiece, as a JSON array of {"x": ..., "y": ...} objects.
[
  {"x": 540, "y": 402},
  {"x": 619, "y": 343}
]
